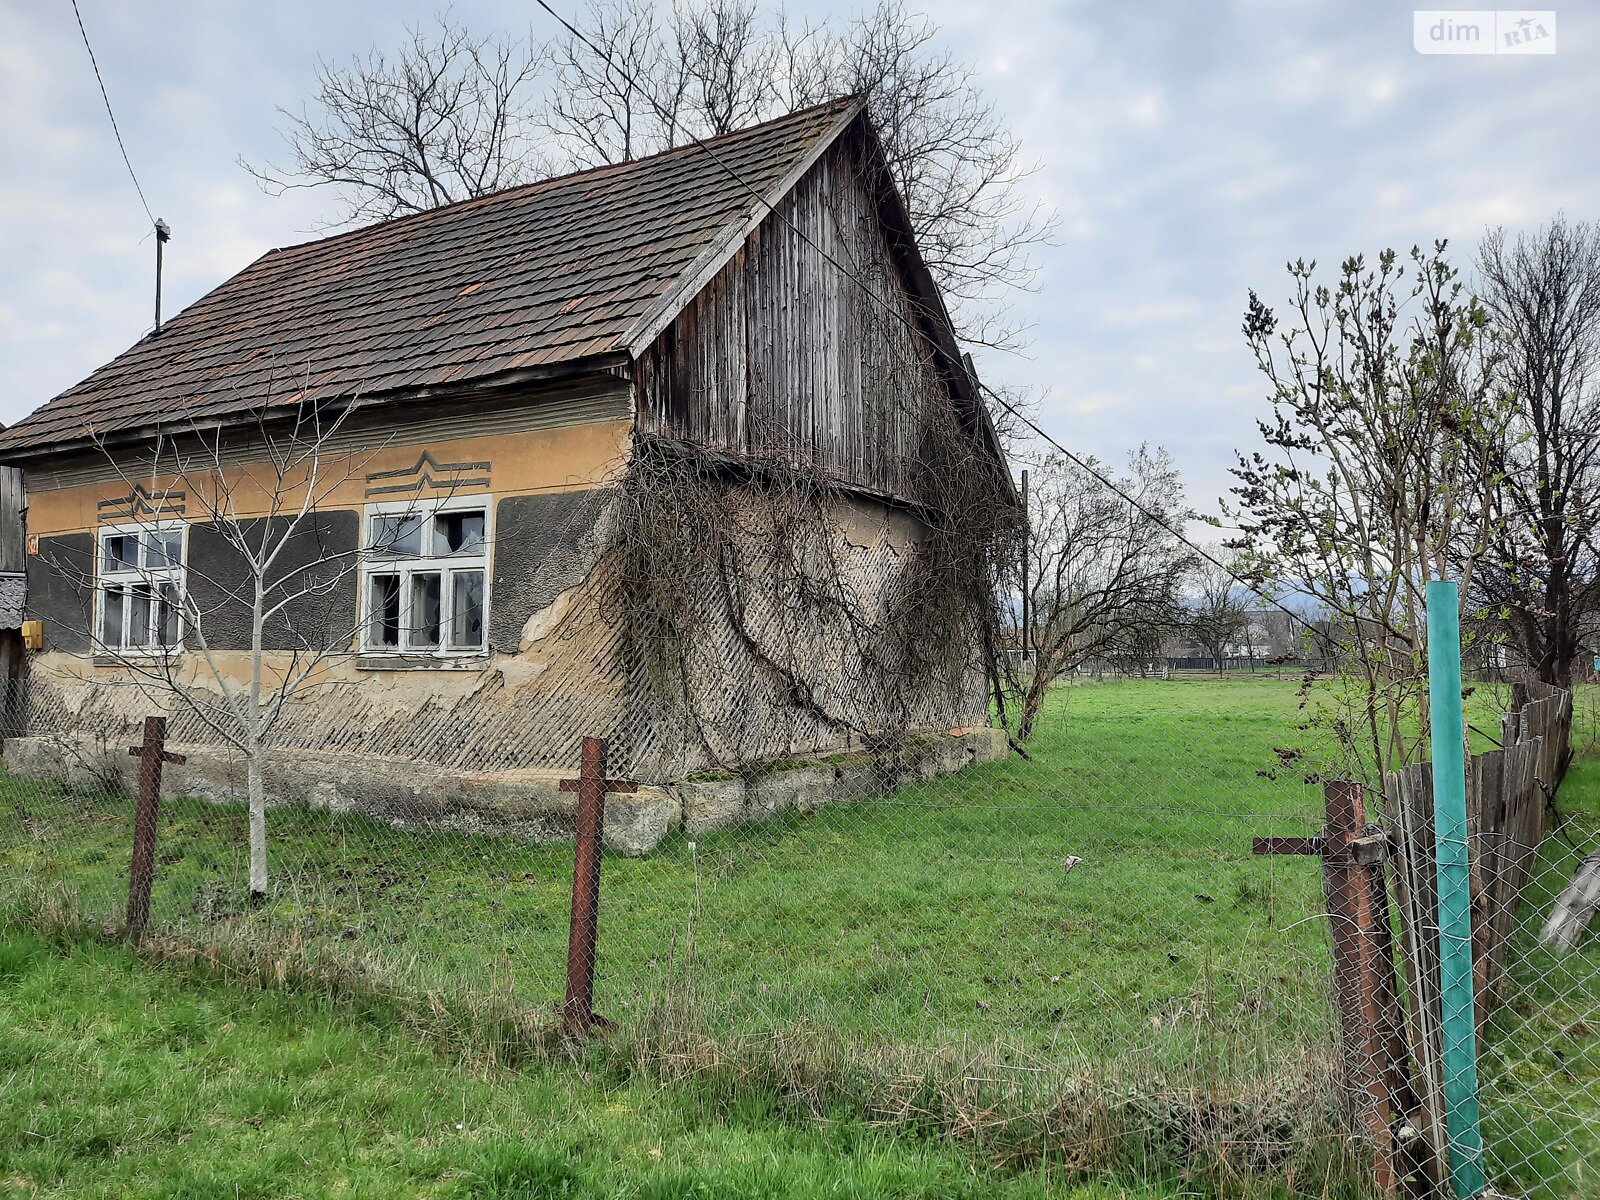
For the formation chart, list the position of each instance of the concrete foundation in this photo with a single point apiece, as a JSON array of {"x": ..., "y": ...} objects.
[{"x": 526, "y": 804}]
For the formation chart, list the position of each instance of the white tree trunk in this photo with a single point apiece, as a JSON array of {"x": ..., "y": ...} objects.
[{"x": 258, "y": 828}]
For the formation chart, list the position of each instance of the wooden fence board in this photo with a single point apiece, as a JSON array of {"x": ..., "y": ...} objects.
[{"x": 1509, "y": 804}]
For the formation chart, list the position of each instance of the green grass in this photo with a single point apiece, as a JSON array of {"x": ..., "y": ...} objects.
[
  {"x": 121, "y": 1081},
  {"x": 943, "y": 912},
  {"x": 820, "y": 962}
]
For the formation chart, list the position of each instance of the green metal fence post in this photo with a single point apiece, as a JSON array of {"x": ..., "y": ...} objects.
[{"x": 1460, "y": 1049}]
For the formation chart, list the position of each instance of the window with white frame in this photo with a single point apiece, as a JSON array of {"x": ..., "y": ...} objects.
[
  {"x": 139, "y": 592},
  {"x": 424, "y": 580}
]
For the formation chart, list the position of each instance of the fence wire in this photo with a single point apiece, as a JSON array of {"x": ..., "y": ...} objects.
[{"x": 1065, "y": 953}]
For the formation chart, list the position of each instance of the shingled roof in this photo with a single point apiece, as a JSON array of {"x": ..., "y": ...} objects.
[{"x": 534, "y": 277}]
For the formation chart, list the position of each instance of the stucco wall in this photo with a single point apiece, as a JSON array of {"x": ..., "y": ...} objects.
[{"x": 555, "y": 671}]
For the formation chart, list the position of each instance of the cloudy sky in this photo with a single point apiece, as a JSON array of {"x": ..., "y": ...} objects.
[{"x": 1190, "y": 149}]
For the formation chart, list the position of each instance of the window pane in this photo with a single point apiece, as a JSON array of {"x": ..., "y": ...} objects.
[
  {"x": 169, "y": 616},
  {"x": 458, "y": 533},
  {"x": 424, "y": 611},
  {"x": 122, "y": 552},
  {"x": 384, "y": 631},
  {"x": 111, "y": 617},
  {"x": 466, "y": 610},
  {"x": 138, "y": 630},
  {"x": 163, "y": 549},
  {"x": 400, "y": 535}
]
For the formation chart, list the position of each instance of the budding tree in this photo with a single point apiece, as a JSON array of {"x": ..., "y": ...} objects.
[{"x": 1374, "y": 475}]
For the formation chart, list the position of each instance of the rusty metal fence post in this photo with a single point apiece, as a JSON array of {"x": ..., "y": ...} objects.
[
  {"x": 151, "y": 753},
  {"x": 1374, "y": 1060},
  {"x": 583, "y": 935}
]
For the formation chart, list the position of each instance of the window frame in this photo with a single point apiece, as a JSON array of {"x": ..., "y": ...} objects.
[
  {"x": 105, "y": 579},
  {"x": 375, "y": 562}
]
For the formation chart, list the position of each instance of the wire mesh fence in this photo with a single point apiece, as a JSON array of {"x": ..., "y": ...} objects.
[{"x": 1065, "y": 951}]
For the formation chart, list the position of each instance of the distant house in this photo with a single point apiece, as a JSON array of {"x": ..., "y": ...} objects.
[{"x": 514, "y": 360}]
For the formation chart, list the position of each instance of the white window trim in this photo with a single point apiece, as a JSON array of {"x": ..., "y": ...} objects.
[
  {"x": 376, "y": 563},
  {"x": 104, "y": 580}
]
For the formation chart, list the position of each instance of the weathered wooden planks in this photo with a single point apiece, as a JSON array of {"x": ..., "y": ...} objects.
[{"x": 1575, "y": 907}]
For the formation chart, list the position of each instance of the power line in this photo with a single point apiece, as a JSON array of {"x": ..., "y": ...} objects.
[
  {"x": 672, "y": 125},
  {"x": 125, "y": 160}
]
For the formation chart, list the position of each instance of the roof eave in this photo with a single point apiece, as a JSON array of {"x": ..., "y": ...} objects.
[{"x": 613, "y": 362}]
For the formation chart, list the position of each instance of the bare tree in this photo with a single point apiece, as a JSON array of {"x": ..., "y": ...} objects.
[
  {"x": 452, "y": 116},
  {"x": 1104, "y": 576},
  {"x": 1219, "y": 607},
  {"x": 954, "y": 161},
  {"x": 616, "y": 94},
  {"x": 1375, "y": 476},
  {"x": 443, "y": 119},
  {"x": 1541, "y": 584},
  {"x": 274, "y": 582}
]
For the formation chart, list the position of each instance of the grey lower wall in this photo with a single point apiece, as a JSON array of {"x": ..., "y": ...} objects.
[
  {"x": 525, "y": 804},
  {"x": 319, "y": 555},
  {"x": 540, "y": 550},
  {"x": 60, "y": 592}
]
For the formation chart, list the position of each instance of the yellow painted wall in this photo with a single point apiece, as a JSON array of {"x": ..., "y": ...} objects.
[{"x": 564, "y": 458}]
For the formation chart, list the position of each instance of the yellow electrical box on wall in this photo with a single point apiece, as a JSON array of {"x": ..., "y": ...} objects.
[{"x": 33, "y": 635}]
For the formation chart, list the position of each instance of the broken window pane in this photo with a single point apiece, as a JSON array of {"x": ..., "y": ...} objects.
[
  {"x": 466, "y": 610},
  {"x": 399, "y": 534},
  {"x": 137, "y": 632},
  {"x": 458, "y": 533},
  {"x": 111, "y": 617},
  {"x": 122, "y": 552},
  {"x": 169, "y": 626},
  {"x": 425, "y": 610},
  {"x": 385, "y": 620},
  {"x": 164, "y": 549}
]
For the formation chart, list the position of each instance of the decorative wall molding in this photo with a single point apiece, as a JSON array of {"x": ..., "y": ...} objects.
[
  {"x": 427, "y": 475},
  {"x": 141, "y": 502}
]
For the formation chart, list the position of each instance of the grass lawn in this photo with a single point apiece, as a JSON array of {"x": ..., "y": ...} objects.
[
  {"x": 117, "y": 1080},
  {"x": 942, "y": 921},
  {"x": 943, "y": 912}
]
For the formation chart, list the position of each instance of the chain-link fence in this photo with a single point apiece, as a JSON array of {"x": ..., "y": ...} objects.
[{"x": 1063, "y": 951}]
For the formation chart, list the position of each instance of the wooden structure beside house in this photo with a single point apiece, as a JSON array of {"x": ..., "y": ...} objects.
[
  {"x": 496, "y": 366},
  {"x": 13, "y": 594}
]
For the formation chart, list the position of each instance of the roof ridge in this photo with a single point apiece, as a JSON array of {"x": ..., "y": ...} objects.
[{"x": 839, "y": 103}]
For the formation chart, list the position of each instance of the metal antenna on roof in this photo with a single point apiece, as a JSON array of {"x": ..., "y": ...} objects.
[{"x": 163, "y": 236}]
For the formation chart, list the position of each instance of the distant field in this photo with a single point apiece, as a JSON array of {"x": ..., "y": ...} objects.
[{"x": 942, "y": 918}]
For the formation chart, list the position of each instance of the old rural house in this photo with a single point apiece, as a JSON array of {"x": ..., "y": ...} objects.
[{"x": 577, "y": 429}]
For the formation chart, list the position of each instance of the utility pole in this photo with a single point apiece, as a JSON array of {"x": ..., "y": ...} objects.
[{"x": 163, "y": 236}]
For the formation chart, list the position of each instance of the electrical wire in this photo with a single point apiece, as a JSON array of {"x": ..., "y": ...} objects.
[{"x": 93, "y": 62}]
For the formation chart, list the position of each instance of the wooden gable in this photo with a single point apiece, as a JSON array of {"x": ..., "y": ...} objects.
[{"x": 783, "y": 352}]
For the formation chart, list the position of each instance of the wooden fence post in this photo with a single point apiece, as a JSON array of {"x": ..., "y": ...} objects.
[
  {"x": 1375, "y": 1065},
  {"x": 151, "y": 753},
  {"x": 583, "y": 935}
]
